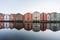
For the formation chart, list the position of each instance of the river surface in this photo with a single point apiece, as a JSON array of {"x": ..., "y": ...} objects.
[{"x": 22, "y": 34}]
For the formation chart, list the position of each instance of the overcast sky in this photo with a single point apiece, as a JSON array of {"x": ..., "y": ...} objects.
[{"x": 23, "y": 6}]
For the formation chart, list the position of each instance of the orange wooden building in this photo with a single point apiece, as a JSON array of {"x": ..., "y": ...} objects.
[
  {"x": 1, "y": 19},
  {"x": 27, "y": 19}
]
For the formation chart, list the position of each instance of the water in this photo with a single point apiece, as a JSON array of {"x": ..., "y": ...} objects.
[{"x": 22, "y": 34}]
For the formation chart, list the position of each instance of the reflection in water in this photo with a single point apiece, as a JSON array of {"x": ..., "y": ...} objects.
[
  {"x": 30, "y": 26},
  {"x": 15, "y": 31},
  {"x": 36, "y": 27},
  {"x": 53, "y": 26},
  {"x": 18, "y": 25}
]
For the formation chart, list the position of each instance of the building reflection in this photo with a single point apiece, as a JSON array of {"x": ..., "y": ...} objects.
[
  {"x": 54, "y": 26},
  {"x": 36, "y": 27}
]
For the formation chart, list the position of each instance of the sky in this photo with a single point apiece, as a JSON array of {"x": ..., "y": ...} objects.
[{"x": 23, "y": 6}]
